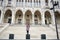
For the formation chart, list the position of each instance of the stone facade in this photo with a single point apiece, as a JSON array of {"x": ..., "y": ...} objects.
[{"x": 32, "y": 11}]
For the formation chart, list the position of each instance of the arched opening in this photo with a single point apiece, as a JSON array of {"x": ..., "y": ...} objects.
[
  {"x": 37, "y": 17},
  {"x": 28, "y": 17},
  {"x": 57, "y": 15},
  {"x": 18, "y": 17},
  {"x": 8, "y": 16},
  {"x": 48, "y": 19}
]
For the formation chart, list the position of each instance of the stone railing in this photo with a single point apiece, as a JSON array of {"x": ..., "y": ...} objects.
[
  {"x": 3, "y": 27},
  {"x": 28, "y": 39},
  {"x": 27, "y": 4}
]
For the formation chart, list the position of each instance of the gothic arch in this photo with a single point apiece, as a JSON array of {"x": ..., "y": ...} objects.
[
  {"x": 28, "y": 16},
  {"x": 19, "y": 16},
  {"x": 8, "y": 16},
  {"x": 37, "y": 17},
  {"x": 57, "y": 15},
  {"x": 48, "y": 18}
]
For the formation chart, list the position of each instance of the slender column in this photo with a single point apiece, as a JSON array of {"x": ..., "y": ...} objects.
[
  {"x": 32, "y": 17},
  {"x": 2, "y": 17},
  {"x": 13, "y": 17},
  {"x": 32, "y": 3},
  {"x": 43, "y": 18},
  {"x": 53, "y": 18},
  {"x": 23, "y": 17}
]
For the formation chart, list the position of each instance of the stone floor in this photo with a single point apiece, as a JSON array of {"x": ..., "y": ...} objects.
[{"x": 35, "y": 32}]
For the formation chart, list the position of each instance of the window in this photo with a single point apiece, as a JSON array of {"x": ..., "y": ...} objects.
[
  {"x": 25, "y": 0},
  {"x": 9, "y": 1},
  {"x": 46, "y": 1},
  {"x": 17, "y": 0},
  {"x": 34, "y": 1},
  {"x": 28, "y": 0},
  {"x": 22, "y": 0},
  {"x": 39, "y": 1}
]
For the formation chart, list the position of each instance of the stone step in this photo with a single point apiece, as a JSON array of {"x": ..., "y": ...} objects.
[{"x": 35, "y": 32}]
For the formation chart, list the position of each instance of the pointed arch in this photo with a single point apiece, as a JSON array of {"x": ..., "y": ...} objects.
[
  {"x": 48, "y": 19},
  {"x": 8, "y": 16},
  {"x": 18, "y": 16},
  {"x": 57, "y": 15},
  {"x": 37, "y": 17},
  {"x": 28, "y": 16}
]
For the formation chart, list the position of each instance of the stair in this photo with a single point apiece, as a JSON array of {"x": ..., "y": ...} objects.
[{"x": 35, "y": 32}]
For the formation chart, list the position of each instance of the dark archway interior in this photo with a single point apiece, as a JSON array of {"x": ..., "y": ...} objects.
[
  {"x": 37, "y": 17},
  {"x": 18, "y": 17},
  {"x": 28, "y": 16},
  {"x": 47, "y": 17},
  {"x": 8, "y": 16},
  {"x": 57, "y": 15}
]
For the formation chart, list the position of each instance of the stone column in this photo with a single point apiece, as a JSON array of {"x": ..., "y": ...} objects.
[
  {"x": 2, "y": 17},
  {"x": 53, "y": 18},
  {"x": 13, "y": 17},
  {"x": 43, "y": 18},
  {"x": 23, "y": 18},
  {"x": 33, "y": 18}
]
